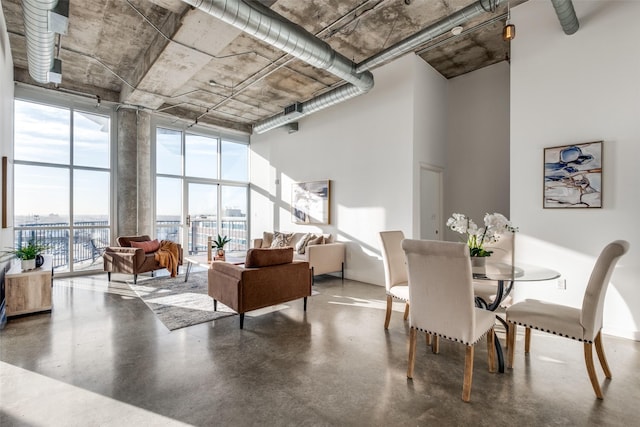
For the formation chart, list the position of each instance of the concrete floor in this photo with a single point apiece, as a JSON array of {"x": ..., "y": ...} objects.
[{"x": 102, "y": 358}]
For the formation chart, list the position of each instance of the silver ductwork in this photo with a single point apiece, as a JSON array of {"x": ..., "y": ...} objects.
[
  {"x": 42, "y": 20},
  {"x": 567, "y": 15},
  {"x": 318, "y": 103},
  {"x": 40, "y": 41},
  {"x": 410, "y": 43},
  {"x": 262, "y": 23}
]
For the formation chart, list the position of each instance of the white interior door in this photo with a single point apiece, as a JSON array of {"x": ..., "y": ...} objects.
[{"x": 430, "y": 203}]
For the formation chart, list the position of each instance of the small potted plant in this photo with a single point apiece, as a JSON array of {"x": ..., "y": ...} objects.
[
  {"x": 219, "y": 243},
  {"x": 29, "y": 254},
  {"x": 494, "y": 225}
]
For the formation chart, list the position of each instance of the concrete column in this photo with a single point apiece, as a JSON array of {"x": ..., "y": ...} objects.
[
  {"x": 127, "y": 169},
  {"x": 145, "y": 195}
]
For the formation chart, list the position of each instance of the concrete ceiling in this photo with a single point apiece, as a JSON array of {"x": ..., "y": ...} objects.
[{"x": 163, "y": 55}]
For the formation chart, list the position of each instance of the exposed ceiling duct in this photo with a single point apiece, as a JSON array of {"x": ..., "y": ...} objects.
[
  {"x": 567, "y": 15},
  {"x": 42, "y": 21},
  {"x": 266, "y": 25},
  {"x": 411, "y": 43}
]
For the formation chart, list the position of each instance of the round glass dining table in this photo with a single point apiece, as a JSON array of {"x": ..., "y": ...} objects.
[{"x": 506, "y": 275}]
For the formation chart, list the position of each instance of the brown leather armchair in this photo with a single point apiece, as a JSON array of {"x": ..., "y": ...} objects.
[
  {"x": 129, "y": 260},
  {"x": 268, "y": 277}
]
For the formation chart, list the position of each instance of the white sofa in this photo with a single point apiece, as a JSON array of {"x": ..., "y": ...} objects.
[{"x": 324, "y": 255}]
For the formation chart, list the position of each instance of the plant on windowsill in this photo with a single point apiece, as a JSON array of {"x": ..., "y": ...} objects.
[
  {"x": 494, "y": 225},
  {"x": 219, "y": 243},
  {"x": 30, "y": 254}
]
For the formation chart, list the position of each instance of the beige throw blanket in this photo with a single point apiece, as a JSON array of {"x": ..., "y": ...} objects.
[{"x": 167, "y": 256}]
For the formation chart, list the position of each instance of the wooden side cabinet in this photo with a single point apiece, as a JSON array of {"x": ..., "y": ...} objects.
[{"x": 29, "y": 291}]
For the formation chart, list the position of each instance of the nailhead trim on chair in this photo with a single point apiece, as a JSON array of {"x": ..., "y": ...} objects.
[
  {"x": 401, "y": 299},
  {"x": 449, "y": 338},
  {"x": 550, "y": 331}
]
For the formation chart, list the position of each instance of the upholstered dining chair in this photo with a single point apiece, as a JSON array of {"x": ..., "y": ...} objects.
[
  {"x": 395, "y": 272},
  {"x": 582, "y": 324},
  {"x": 504, "y": 252},
  {"x": 441, "y": 295}
]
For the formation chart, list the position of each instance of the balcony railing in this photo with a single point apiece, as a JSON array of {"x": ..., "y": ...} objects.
[
  {"x": 201, "y": 228},
  {"x": 91, "y": 237}
]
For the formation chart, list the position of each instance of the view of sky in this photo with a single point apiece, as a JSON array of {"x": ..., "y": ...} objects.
[{"x": 43, "y": 133}]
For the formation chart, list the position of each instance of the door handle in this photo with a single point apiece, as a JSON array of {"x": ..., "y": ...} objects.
[{"x": 188, "y": 220}]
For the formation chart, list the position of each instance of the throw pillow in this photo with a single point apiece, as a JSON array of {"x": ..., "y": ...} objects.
[
  {"x": 259, "y": 257},
  {"x": 281, "y": 240},
  {"x": 302, "y": 243},
  {"x": 267, "y": 239},
  {"x": 317, "y": 241},
  {"x": 148, "y": 246}
]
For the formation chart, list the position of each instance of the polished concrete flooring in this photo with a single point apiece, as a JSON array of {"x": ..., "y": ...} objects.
[{"x": 101, "y": 358}]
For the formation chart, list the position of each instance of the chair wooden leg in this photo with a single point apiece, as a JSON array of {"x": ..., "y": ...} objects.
[
  {"x": 512, "y": 328},
  {"x": 435, "y": 344},
  {"x": 406, "y": 311},
  {"x": 428, "y": 338},
  {"x": 527, "y": 339},
  {"x": 388, "y": 315},
  {"x": 591, "y": 370},
  {"x": 413, "y": 337},
  {"x": 491, "y": 349},
  {"x": 468, "y": 374},
  {"x": 601, "y": 356}
]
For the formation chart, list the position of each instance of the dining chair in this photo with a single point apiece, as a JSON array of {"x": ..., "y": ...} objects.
[
  {"x": 441, "y": 295},
  {"x": 395, "y": 272},
  {"x": 582, "y": 324},
  {"x": 503, "y": 252}
]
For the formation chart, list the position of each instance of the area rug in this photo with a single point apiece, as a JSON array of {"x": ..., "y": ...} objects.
[{"x": 177, "y": 303}]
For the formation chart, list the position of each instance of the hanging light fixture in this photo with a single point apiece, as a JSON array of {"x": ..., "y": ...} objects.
[{"x": 509, "y": 30}]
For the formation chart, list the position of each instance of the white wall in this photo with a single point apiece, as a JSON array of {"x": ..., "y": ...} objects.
[
  {"x": 574, "y": 89},
  {"x": 477, "y": 176},
  {"x": 429, "y": 129},
  {"x": 365, "y": 146},
  {"x": 6, "y": 123}
]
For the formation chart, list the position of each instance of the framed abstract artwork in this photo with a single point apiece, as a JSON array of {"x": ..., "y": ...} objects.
[
  {"x": 310, "y": 202},
  {"x": 573, "y": 176}
]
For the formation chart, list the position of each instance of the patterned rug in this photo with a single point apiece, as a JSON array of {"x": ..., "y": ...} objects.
[{"x": 177, "y": 303}]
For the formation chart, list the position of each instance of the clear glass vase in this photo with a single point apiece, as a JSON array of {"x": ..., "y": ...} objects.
[{"x": 478, "y": 261}]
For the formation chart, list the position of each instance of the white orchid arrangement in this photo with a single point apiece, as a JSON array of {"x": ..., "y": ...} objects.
[{"x": 494, "y": 225}]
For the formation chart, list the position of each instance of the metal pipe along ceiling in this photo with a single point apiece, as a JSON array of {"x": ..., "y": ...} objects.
[
  {"x": 446, "y": 24},
  {"x": 567, "y": 16},
  {"x": 40, "y": 41},
  {"x": 261, "y": 22}
]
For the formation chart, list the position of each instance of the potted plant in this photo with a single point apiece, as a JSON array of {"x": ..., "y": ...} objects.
[
  {"x": 494, "y": 225},
  {"x": 29, "y": 254},
  {"x": 219, "y": 243}
]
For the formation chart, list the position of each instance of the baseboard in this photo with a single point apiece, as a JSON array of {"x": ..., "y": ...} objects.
[
  {"x": 621, "y": 333},
  {"x": 360, "y": 278}
]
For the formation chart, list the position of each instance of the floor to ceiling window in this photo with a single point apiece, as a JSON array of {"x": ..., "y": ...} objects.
[
  {"x": 202, "y": 181},
  {"x": 62, "y": 176}
]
